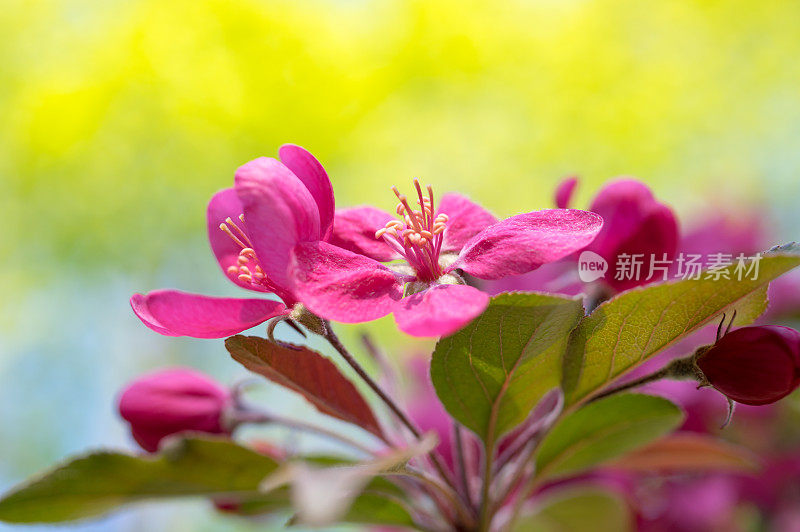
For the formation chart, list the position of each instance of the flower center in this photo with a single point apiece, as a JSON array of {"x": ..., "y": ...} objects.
[
  {"x": 418, "y": 235},
  {"x": 246, "y": 269}
]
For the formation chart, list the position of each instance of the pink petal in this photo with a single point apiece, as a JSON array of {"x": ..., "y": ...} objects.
[
  {"x": 340, "y": 285},
  {"x": 564, "y": 192},
  {"x": 440, "y": 310},
  {"x": 467, "y": 219},
  {"x": 175, "y": 313},
  {"x": 635, "y": 224},
  {"x": 309, "y": 170},
  {"x": 524, "y": 242},
  {"x": 279, "y": 212},
  {"x": 354, "y": 230},
  {"x": 225, "y": 204},
  {"x": 625, "y": 204}
]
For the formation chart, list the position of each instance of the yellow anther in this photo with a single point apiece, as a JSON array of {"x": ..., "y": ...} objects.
[
  {"x": 245, "y": 278},
  {"x": 232, "y": 270}
]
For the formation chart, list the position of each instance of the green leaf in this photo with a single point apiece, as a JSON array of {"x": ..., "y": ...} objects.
[
  {"x": 603, "y": 430},
  {"x": 94, "y": 484},
  {"x": 378, "y": 508},
  {"x": 626, "y": 330},
  {"x": 308, "y": 373},
  {"x": 575, "y": 509},
  {"x": 492, "y": 373}
]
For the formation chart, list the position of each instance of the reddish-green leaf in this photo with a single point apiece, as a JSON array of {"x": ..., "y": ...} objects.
[
  {"x": 688, "y": 452},
  {"x": 308, "y": 373}
]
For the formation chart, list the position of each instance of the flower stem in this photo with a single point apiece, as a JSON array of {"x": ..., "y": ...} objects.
[
  {"x": 332, "y": 339},
  {"x": 458, "y": 439},
  {"x": 680, "y": 368},
  {"x": 486, "y": 502},
  {"x": 251, "y": 416}
]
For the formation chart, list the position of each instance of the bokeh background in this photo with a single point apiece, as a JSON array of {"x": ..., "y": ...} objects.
[{"x": 119, "y": 119}]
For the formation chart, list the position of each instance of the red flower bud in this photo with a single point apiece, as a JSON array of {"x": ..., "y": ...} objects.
[
  {"x": 173, "y": 401},
  {"x": 754, "y": 365}
]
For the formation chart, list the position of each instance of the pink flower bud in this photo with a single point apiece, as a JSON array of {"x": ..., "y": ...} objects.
[
  {"x": 637, "y": 225},
  {"x": 172, "y": 401},
  {"x": 754, "y": 365}
]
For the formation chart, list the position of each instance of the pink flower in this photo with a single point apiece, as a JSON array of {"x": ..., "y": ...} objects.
[
  {"x": 347, "y": 283},
  {"x": 252, "y": 228},
  {"x": 170, "y": 402}
]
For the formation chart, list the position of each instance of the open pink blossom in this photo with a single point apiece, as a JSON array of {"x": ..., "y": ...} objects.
[
  {"x": 253, "y": 226},
  {"x": 348, "y": 283}
]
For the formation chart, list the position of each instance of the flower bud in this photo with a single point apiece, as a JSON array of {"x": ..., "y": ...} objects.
[
  {"x": 172, "y": 401},
  {"x": 634, "y": 224},
  {"x": 753, "y": 365}
]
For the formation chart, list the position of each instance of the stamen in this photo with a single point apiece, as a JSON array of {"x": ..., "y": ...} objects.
[
  {"x": 417, "y": 236},
  {"x": 228, "y": 232},
  {"x": 239, "y": 231}
]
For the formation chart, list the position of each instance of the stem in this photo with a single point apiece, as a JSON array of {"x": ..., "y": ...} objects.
[
  {"x": 249, "y": 416},
  {"x": 486, "y": 503},
  {"x": 680, "y": 368},
  {"x": 436, "y": 485},
  {"x": 331, "y": 337},
  {"x": 458, "y": 439}
]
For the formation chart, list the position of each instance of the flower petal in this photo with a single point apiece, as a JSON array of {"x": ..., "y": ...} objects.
[
  {"x": 635, "y": 223},
  {"x": 340, "y": 285},
  {"x": 524, "y": 242},
  {"x": 564, "y": 192},
  {"x": 626, "y": 205},
  {"x": 175, "y": 313},
  {"x": 279, "y": 212},
  {"x": 440, "y": 310},
  {"x": 309, "y": 170},
  {"x": 466, "y": 219},
  {"x": 225, "y": 204},
  {"x": 354, "y": 230}
]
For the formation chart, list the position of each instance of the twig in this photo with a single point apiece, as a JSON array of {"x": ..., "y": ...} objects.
[
  {"x": 250, "y": 416},
  {"x": 331, "y": 337}
]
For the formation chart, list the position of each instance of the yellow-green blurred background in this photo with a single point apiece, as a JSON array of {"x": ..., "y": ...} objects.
[{"x": 119, "y": 119}]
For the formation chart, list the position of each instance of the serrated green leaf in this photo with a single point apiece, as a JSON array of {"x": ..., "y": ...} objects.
[
  {"x": 492, "y": 373},
  {"x": 578, "y": 509},
  {"x": 94, "y": 484},
  {"x": 626, "y": 330},
  {"x": 603, "y": 430}
]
